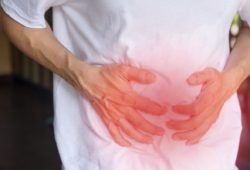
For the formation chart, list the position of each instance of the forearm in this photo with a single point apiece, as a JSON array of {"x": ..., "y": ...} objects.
[
  {"x": 42, "y": 46},
  {"x": 238, "y": 64}
]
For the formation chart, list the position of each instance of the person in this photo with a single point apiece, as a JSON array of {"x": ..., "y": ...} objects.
[{"x": 139, "y": 85}]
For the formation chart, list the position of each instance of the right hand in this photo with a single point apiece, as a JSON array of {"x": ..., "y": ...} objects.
[{"x": 108, "y": 89}]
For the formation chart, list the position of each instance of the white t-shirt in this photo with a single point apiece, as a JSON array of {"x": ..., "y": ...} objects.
[{"x": 172, "y": 39}]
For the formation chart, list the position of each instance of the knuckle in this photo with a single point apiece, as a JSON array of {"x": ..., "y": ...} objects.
[{"x": 124, "y": 69}]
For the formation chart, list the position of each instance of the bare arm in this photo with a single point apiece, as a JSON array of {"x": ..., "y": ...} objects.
[
  {"x": 43, "y": 47},
  {"x": 217, "y": 88},
  {"x": 106, "y": 87},
  {"x": 238, "y": 64}
]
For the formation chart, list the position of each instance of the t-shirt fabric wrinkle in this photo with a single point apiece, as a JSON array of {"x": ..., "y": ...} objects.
[{"x": 172, "y": 39}]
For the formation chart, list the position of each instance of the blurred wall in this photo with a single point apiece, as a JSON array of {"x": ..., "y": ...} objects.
[
  {"x": 5, "y": 55},
  {"x": 17, "y": 65}
]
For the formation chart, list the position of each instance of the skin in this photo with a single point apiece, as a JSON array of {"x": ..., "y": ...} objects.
[
  {"x": 114, "y": 100},
  {"x": 217, "y": 88},
  {"x": 106, "y": 87}
]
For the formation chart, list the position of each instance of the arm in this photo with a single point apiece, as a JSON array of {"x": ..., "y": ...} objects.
[
  {"x": 217, "y": 88},
  {"x": 238, "y": 64},
  {"x": 43, "y": 47},
  {"x": 107, "y": 87}
]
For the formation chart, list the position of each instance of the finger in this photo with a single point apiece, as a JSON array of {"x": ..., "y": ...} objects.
[
  {"x": 203, "y": 101},
  {"x": 115, "y": 114},
  {"x": 182, "y": 125},
  {"x": 113, "y": 130},
  {"x": 195, "y": 134},
  {"x": 196, "y": 138},
  {"x": 193, "y": 141},
  {"x": 115, "y": 133},
  {"x": 146, "y": 105},
  {"x": 138, "y": 102},
  {"x": 202, "y": 77},
  {"x": 187, "y": 109},
  {"x": 101, "y": 110},
  {"x": 133, "y": 132},
  {"x": 192, "y": 123},
  {"x": 139, "y": 122},
  {"x": 137, "y": 74}
]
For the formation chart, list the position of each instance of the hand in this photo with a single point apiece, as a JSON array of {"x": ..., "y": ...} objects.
[
  {"x": 108, "y": 89},
  {"x": 217, "y": 87}
]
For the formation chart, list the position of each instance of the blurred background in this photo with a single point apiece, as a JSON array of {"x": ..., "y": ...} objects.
[{"x": 26, "y": 111}]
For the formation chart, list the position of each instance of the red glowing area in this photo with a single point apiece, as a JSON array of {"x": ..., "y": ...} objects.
[{"x": 132, "y": 93}]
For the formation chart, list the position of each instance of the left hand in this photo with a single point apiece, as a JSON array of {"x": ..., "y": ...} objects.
[{"x": 217, "y": 87}]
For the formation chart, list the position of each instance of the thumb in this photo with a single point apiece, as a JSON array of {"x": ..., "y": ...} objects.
[
  {"x": 139, "y": 75},
  {"x": 201, "y": 77}
]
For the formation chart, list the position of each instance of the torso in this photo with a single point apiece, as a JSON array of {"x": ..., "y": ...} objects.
[{"x": 172, "y": 39}]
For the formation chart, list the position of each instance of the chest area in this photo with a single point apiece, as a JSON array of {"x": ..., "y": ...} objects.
[{"x": 178, "y": 15}]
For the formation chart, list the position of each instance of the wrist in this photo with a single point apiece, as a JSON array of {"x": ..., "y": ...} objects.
[
  {"x": 234, "y": 77},
  {"x": 74, "y": 70}
]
